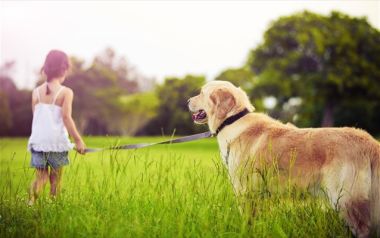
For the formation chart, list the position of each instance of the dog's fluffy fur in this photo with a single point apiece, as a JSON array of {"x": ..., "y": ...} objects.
[{"x": 344, "y": 161}]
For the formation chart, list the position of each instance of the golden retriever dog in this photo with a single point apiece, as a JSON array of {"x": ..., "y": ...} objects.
[{"x": 344, "y": 162}]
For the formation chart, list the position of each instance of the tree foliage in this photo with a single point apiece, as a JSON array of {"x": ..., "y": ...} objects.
[
  {"x": 140, "y": 109},
  {"x": 173, "y": 115},
  {"x": 15, "y": 108},
  {"x": 5, "y": 115},
  {"x": 99, "y": 89},
  {"x": 329, "y": 62}
]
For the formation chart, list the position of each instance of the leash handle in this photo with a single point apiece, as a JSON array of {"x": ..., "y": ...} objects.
[{"x": 143, "y": 145}]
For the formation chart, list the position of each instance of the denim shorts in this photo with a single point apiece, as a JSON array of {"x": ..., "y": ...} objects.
[{"x": 41, "y": 160}]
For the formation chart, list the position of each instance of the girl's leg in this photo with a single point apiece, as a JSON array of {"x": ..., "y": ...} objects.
[
  {"x": 55, "y": 181},
  {"x": 38, "y": 184}
]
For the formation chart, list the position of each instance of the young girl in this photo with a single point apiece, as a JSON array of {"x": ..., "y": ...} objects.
[{"x": 49, "y": 142}]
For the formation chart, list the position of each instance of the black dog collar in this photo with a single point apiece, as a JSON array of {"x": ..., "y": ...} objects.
[{"x": 231, "y": 120}]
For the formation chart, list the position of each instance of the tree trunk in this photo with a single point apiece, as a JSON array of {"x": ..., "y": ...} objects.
[{"x": 328, "y": 115}]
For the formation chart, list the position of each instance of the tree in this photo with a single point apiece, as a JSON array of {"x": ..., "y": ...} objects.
[
  {"x": 15, "y": 106},
  {"x": 5, "y": 115},
  {"x": 22, "y": 115},
  {"x": 99, "y": 105},
  {"x": 325, "y": 61},
  {"x": 127, "y": 75},
  {"x": 140, "y": 109},
  {"x": 172, "y": 114}
]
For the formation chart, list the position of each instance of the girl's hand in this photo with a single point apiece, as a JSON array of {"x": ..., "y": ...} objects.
[{"x": 80, "y": 146}]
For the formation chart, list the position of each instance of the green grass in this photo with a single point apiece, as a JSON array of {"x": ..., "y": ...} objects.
[{"x": 179, "y": 190}]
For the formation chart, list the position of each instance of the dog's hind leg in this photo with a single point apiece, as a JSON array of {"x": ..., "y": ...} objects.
[
  {"x": 355, "y": 211},
  {"x": 357, "y": 214},
  {"x": 348, "y": 188}
]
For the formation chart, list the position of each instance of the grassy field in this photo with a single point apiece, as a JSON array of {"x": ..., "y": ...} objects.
[{"x": 179, "y": 190}]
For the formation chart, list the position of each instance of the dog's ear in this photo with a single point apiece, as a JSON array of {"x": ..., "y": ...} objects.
[{"x": 224, "y": 102}]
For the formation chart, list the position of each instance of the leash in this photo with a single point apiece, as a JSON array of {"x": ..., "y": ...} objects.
[
  {"x": 142, "y": 145},
  {"x": 199, "y": 136}
]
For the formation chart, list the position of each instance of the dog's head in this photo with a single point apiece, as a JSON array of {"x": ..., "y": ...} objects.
[{"x": 217, "y": 101}]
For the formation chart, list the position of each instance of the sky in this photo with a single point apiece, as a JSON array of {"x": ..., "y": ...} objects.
[{"x": 159, "y": 38}]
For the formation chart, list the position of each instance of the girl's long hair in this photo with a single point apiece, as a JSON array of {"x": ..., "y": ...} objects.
[{"x": 56, "y": 63}]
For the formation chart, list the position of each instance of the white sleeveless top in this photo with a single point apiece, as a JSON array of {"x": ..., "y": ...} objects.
[{"x": 49, "y": 133}]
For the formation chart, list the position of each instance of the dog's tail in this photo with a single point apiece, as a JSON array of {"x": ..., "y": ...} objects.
[{"x": 375, "y": 195}]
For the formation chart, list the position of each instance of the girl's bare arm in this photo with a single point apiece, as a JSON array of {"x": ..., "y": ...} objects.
[
  {"x": 69, "y": 122},
  {"x": 34, "y": 99}
]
